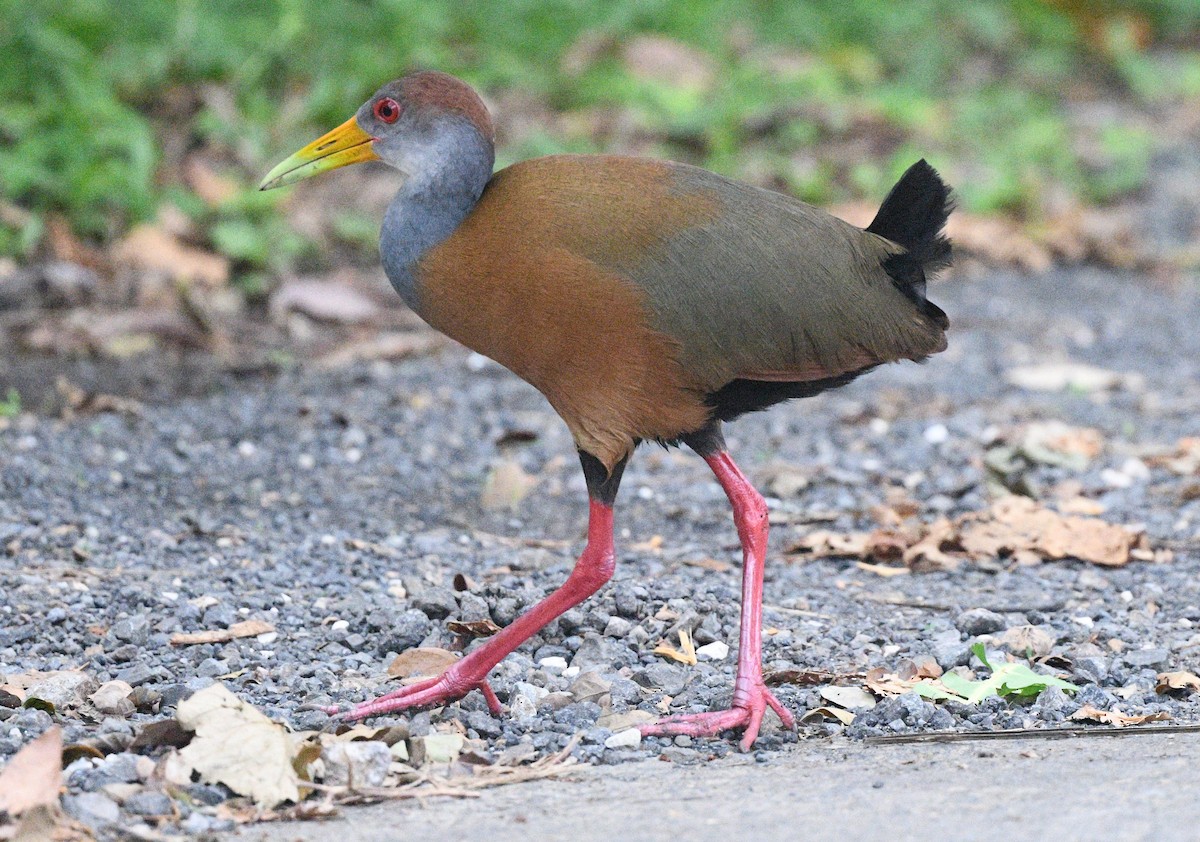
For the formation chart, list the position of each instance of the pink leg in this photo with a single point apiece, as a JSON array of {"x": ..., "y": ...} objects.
[
  {"x": 750, "y": 695},
  {"x": 594, "y": 568}
]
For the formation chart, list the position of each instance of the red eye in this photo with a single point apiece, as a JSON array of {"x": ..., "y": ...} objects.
[{"x": 387, "y": 110}]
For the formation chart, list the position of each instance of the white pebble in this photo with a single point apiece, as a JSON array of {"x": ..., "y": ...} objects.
[
  {"x": 306, "y": 461},
  {"x": 338, "y": 625},
  {"x": 1116, "y": 479},
  {"x": 629, "y": 738},
  {"x": 246, "y": 448},
  {"x": 936, "y": 434},
  {"x": 353, "y": 455},
  {"x": 267, "y": 638},
  {"x": 571, "y": 672},
  {"x": 879, "y": 426},
  {"x": 717, "y": 650},
  {"x": 553, "y": 663}
]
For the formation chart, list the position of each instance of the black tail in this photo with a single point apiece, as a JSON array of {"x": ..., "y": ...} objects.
[{"x": 913, "y": 215}]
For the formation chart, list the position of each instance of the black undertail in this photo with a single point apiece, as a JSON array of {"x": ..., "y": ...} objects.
[{"x": 741, "y": 396}]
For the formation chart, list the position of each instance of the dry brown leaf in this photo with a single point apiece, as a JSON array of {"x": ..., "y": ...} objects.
[
  {"x": 1115, "y": 717},
  {"x": 154, "y": 248},
  {"x": 381, "y": 346},
  {"x": 1181, "y": 680},
  {"x": 932, "y": 551},
  {"x": 416, "y": 663},
  {"x": 1183, "y": 459},
  {"x": 1084, "y": 443},
  {"x": 652, "y": 545},
  {"x": 246, "y": 628},
  {"x": 884, "y": 570},
  {"x": 506, "y": 485},
  {"x": 712, "y": 564},
  {"x": 324, "y": 301},
  {"x": 473, "y": 628},
  {"x": 1018, "y": 523},
  {"x": 236, "y": 745},
  {"x": 685, "y": 654},
  {"x": 1027, "y": 641},
  {"x": 33, "y": 777},
  {"x": 843, "y": 716},
  {"x": 822, "y": 543}
]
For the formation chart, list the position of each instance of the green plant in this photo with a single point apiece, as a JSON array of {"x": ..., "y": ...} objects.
[{"x": 10, "y": 407}]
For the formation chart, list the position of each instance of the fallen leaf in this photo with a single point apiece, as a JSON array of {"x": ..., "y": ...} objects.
[
  {"x": 805, "y": 678},
  {"x": 934, "y": 551},
  {"x": 1061, "y": 445},
  {"x": 236, "y": 745},
  {"x": 1027, "y": 641},
  {"x": 843, "y": 716},
  {"x": 161, "y": 734},
  {"x": 324, "y": 301},
  {"x": 153, "y": 247},
  {"x": 246, "y": 628},
  {"x": 415, "y": 663},
  {"x": 685, "y": 654},
  {"x": 822, "y": 543},
  {"x": 1018, "y": 523},
  {"x": 1183, "y": 459},
  {"x": 1181, "y": 680},
  {"x": 1115, "y": 717},
  {"x": 712, "y": 564},
  {"x": 1060, "y": 376},
  {"x": 381, "y": 346},
  {"x": 884, "y": 570},
  {"x": 33, "y": 777},
  {"x": 473, "y": 628},
  {"x": 848, "y": 697},
  {"x": 506, "y": 485},
  {"x": 626, "y": 719}
]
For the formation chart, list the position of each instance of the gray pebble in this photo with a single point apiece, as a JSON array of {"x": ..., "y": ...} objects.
[{"x": 977, "y": 621}]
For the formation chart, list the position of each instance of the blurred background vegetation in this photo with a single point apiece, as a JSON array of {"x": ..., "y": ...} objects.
[{"x": 114, "y": 112}]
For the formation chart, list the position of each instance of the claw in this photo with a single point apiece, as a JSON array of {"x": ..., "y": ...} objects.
[
  {"x": 746, "y": 715},
  {"x": 445, "y": 688}
]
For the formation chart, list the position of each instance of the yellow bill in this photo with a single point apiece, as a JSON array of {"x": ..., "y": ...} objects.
[{"x": 347, "y": 144}]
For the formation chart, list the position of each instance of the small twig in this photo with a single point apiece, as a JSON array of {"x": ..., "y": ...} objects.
[
  {"x": 797, "y": 611},
  {"x": 1026, "y": 733}
]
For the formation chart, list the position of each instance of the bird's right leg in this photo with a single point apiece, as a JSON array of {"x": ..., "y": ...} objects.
[{"x": 594, "y": 568}]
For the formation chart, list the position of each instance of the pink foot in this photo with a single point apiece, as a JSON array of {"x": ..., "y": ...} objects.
[
  {"x": 745, "y": 714},
  {"x": 447, "y": 687}
]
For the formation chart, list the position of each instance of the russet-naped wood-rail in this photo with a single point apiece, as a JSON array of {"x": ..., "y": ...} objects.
[{"x": 648, "y": 301}]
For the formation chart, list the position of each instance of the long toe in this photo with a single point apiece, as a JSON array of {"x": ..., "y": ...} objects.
[
  {"x": 746, "y": 715},
  {"x": 436, "y": 691}
]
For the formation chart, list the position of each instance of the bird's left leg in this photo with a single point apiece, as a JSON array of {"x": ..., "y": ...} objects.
[
  {"x": 750, "y": 694},
  {"x": 594, "y": 568}
]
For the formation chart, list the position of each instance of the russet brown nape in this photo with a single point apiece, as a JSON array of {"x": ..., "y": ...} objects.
[
  {"x": 442, "y": 91},
  {"x": 526, "y": 258}
]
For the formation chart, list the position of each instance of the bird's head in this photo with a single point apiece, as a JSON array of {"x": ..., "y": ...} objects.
[{"x": 417, "y": 124}]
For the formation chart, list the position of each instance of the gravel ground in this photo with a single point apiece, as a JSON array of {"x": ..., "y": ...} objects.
[{"x": 341, "y": 506}]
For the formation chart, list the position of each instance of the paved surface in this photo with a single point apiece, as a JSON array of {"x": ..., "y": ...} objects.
[{"x": 1128, "y": 788}]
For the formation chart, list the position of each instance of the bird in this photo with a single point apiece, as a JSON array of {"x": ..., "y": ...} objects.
[{"x": 648, "y": 301}]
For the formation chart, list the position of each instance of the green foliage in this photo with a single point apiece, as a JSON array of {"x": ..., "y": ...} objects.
[
  {"x": 91, "y": 91},
  {"x": 1009, "y": 679},
  {"x": 10, "y": 407}
]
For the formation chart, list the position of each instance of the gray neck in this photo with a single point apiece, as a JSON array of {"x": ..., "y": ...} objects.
[{"x": 446, "y": 169}]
